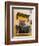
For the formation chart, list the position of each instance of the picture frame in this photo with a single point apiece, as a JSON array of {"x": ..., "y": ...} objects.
[{"x": 21, "y": 22}]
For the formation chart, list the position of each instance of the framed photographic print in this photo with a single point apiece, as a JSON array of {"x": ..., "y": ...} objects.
[{"x": 21, "y": 22}]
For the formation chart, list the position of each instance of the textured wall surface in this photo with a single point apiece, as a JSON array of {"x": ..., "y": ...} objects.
[{"x": 38, "y": 22}]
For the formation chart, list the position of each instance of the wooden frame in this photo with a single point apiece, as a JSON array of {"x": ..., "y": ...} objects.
[{"x": 7, "y": 22}]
